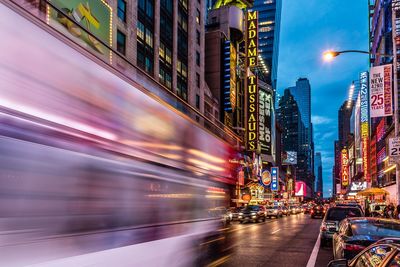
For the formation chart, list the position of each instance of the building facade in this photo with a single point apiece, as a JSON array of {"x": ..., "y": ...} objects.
[
  {"x": 318, "y": 172},
  {"x": 268, "y": 39}
]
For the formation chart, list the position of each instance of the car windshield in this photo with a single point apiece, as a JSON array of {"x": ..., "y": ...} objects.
[
  {"x": 342, "y": 213},
  {"x": 252, "y": 208},
  {"x": 379, "y": 228}
]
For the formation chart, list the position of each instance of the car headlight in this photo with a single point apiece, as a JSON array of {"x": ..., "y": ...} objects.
[
  {"x": 253, "y": 213},
  {"x": 240, "y": 213},
  {"x": 275, "y": 211}
]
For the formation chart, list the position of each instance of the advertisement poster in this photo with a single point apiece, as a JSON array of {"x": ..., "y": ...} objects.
[
  {"x": 265, "y": 107},
  {"x": 380, "y": 91},
  {"x": 289, "y": 158},
  {"x": 95, "y": 16}
]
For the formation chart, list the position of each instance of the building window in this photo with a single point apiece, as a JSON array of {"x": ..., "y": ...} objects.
[
  {"x": 198, "y": 37},
  {"x": 167, "y": 5},
  {"x": 184, "y": 3},
  {"x": 149, "y": 38},
  {"x": 197, "y": 101},
  {"x": 121, "y": 40},
  {"x": 181, "y": 88},
  {"x": 149, "y": 65},
  {"x": 198, "y": 80},
  {"x": 198, "y": 16},
  {"x": 182, "y": 20},
  {"x": 122, "y": 10},
  {"x": 140, "y": 31},
  {"x": 197, "y": 58}
]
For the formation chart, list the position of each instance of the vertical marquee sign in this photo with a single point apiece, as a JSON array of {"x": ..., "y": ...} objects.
[
  {"x": 274, "y": 179},
  {"x": 251, "y": 82},
  {"x": 252, "y": 39},
  {"x": 345, "y": 168},
  {"x": 364, "y": 123},
  {"x": 265, "y": 121},
  {"x": 252, "y": 117}
]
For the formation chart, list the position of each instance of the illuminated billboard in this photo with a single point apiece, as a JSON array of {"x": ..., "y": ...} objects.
[
  {"x": 380, "y": 91},
  {"x": 345, "y": 168},
  {"x": 252, "y": 38},
  {"x": 301, "y": 189},
  {"x": 289, "y": 158},
  {"x": 95, "y": 16},
  {"x": 364, "y": 123},
  {"x": 265, "y": 122}
]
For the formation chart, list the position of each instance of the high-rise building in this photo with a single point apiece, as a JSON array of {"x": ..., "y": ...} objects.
[
  {"x": 318, "y": 172},
  {"x": 302, "y": 95},
  {"x": 344, "y": 117},
  {"x": 269, "y": 21},
  {"x": 294, "y": 137}
]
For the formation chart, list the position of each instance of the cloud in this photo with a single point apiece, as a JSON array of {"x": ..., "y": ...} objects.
[{"x": 317, "y": 120}]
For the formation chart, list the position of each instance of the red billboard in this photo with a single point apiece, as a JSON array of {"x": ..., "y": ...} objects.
[
  {"x": 345, "y": 168},
  {"x": 301, "y": 189}
]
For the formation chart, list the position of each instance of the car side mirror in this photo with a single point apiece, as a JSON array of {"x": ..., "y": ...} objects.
[{"x": 338, "y": 263}]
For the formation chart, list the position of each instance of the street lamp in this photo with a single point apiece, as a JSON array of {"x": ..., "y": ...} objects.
[{"x": 330, "y": 54}]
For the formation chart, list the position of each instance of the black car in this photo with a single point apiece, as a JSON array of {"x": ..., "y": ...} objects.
[
  {"x": 355, "y": 234},
  {"x": 317, "y": 211},
  {"x": 384, "y": 253},
  {"x": 252, "y": 213},
  {"x": 234, "y": 213},
  {"x": 330, "y": 223}
]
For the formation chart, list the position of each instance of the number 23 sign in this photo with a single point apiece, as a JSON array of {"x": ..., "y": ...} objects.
[{"x": 394, "y": 147}]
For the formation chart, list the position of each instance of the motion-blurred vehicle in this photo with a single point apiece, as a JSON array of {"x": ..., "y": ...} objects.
[
  {"x": 235, "y": 213},
  {"x": 253, "y": 213},
  {"x": 285, "y": 211},
  {"x": 274, "y": 211},
  {"x": 223, "y": 213},
  {"x": 330, "y": 223},
  {"x": 97, "y": 167},
  {"x": 317, "y": 211},
  {"x": 355, "y": 234},
  {"x": 384, "y": 253},
  {"x": 294, "y": 209},
  {"x": 307, "y": 209}
]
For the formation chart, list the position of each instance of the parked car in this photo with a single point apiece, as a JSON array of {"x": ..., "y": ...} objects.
[
  {"x": 285, "y": 211},
  {"x": 234, "y": 213},
  {"x": 317, "y": 211},
  {"x": 330, "y": 223},
  {"x": 252, "y": 213},
  {"x": 384, "y": 253},
  {"x": 274, "y": 211},
  {"x": 355, "y": 234}
]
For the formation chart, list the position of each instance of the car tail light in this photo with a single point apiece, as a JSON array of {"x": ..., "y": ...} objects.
[
  {"x": 312, "y": 211},
  {"x": 352, "y": 247}
]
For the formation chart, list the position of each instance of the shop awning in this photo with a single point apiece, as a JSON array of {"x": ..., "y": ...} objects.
[{"x": 373, "y": 192}]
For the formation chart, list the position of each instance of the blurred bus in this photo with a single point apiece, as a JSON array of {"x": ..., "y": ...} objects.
[{"x": 93, "y": 171}]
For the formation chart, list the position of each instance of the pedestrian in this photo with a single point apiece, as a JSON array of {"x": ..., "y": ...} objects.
[
  {"x": 390, "y": 211},
  {"x": 367, "y": 212}
]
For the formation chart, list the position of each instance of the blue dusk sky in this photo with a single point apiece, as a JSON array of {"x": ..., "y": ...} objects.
[{"x": 308, "y": 28}]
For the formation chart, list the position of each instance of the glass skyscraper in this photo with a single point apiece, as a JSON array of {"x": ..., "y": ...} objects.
[{"x": 269, "y": 20}]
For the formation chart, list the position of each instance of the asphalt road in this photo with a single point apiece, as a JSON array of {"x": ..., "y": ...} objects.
[{"x": 283, "y": 242}]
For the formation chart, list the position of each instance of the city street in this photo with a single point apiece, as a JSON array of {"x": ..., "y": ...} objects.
[{"x": 287, "y": 241}]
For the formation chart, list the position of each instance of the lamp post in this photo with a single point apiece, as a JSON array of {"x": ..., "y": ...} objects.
[{"x": 329, "y": 55}]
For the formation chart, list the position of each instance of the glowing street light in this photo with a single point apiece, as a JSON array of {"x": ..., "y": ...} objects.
[{"x": 329, "y": 55}]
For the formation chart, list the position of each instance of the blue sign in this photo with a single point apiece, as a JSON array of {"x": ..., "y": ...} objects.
[
  {"x": 364, "y": 96},
  {"x": 274, "y": 179}
]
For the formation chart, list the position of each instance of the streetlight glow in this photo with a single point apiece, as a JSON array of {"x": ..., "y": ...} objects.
[{"x": 329, "y": 55}]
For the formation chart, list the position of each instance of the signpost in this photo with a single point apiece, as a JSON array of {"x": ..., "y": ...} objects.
[{"x": 394, "y": 147}]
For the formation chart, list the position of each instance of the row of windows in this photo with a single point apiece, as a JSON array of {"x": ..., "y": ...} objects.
[
  {"x": 165, "y": 54},
  {"x": 181, "y": 68},
  {"x": 144, "y": 34}
]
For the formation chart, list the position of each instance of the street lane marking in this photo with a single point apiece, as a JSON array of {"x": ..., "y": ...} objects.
[
  {"x": 275, "y": 231},
  {"x": 313, "y": 257}
]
